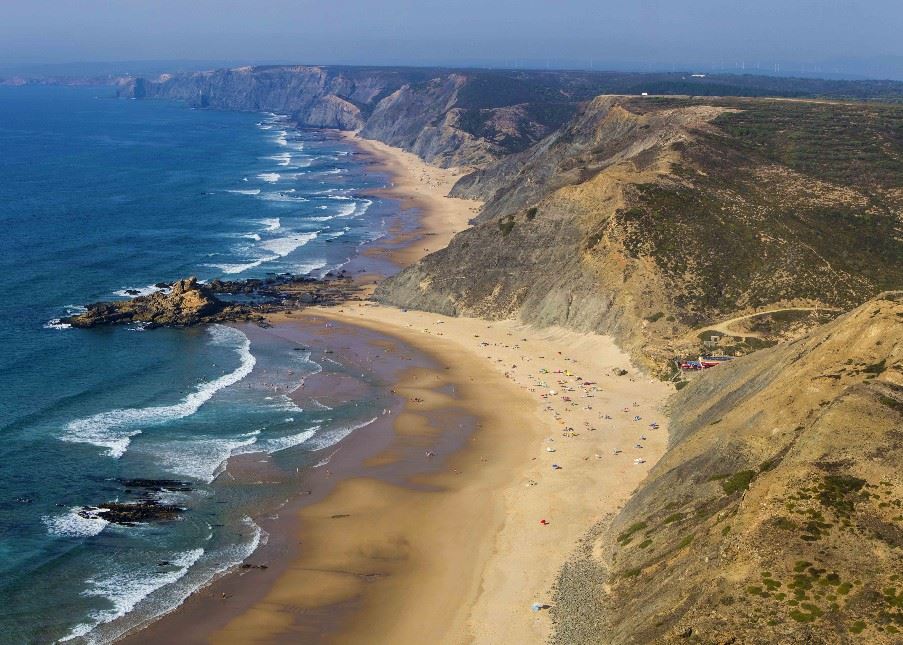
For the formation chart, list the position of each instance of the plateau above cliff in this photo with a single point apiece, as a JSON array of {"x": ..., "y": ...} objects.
[{"x": 465, "y": 117}]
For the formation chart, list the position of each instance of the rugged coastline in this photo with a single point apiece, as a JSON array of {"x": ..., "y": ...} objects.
[
  {"x": 187, "y": 302},
  {"x": 593, "y": 425},
  {"x": 501, "y": 456}
]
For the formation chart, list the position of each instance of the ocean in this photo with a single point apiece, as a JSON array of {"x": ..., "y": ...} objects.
[{"x": 102, "y": 198}]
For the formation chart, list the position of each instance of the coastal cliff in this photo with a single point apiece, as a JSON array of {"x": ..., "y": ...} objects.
[
  {"x": 776, "y": 516},
  {"x": 449, "y": 118},
  {"x": 649, "y": 218},
  {"x": 653, "y": 218},
  {"x": 464, "y": 117}
]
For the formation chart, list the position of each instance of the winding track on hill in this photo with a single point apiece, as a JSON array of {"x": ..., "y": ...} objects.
[{"x": 724, "y": 326}]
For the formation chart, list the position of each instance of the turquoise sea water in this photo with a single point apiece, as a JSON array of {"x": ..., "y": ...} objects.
[{"x": 99, "y": 195}]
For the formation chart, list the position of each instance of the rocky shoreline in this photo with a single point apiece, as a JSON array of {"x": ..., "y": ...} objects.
[{"x": 187, "y": 302}]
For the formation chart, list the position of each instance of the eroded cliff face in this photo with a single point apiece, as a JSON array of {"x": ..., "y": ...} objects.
[
  {"x": 314, "y": 96},
  {"x": 447, "y": 118},
  {"x": 652, "y": 218},
  {"x": 776, "y": 516},
  {"x": 547, "y": 246}
]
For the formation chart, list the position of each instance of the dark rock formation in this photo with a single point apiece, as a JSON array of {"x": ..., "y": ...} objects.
[
  {"x": 131, "y": 513},
  {"x": 185, "y": 303}
]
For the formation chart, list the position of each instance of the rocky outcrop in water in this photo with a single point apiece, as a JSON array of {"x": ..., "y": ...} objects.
[
  {"x": 132, "y": 513},
  {"x": 185, "y": 303},
  {"x": 188, "y": 302}
]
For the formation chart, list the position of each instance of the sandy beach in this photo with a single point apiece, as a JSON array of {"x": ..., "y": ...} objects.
[{"x": 438, "y": 541}]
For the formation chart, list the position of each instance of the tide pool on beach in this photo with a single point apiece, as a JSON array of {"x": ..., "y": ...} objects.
[{"x": 102, "y": 198}]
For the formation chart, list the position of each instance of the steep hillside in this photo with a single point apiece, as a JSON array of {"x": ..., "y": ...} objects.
[
  {"x": 447, "y": 117},
  {"x": 454, "y": 117},
  {"x": 776, "y": 516},
  {"x": 651, "y": 218}
]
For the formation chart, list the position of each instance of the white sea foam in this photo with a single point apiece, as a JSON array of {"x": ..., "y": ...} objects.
[
  {"x": 284, "y": 443},
  {"x": 141, "y": 291},
  {"x": 282, "y": 196},
  {"x": 125, "y": 589},
  {"x": 336, "y": 435},
  {"x": 269, "y": 177},
  {"x": 251, "y": 191},
  {"x": 193, "y": 570},
  {"x": 252, "y": 236},
  {"x": 271, "y": 223},
  {"x": 284, "y": 158},
  {"x": 277, "y": 444},
  {"x": 281, "y": 138},
  {"x": 114, "y": 429},
  {"x": 307, "y": 267},
  {"x": 71, "y": 310},
  {"x": 238, "y": 267},
  {"x": 73, "y": 524},
  {"x": 56, "y": 323},
  {"x": 202, "y": 458},
  {"x": 347, "y": 210},
  {"x": 363, "y": 206},
  {"x": 282, "y": 246}
]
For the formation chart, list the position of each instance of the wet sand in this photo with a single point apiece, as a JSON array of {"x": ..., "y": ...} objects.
[{"x": 448, "y": 518}]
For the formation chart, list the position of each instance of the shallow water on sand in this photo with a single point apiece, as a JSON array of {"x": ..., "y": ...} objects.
[{"x": 102, "y": 198}]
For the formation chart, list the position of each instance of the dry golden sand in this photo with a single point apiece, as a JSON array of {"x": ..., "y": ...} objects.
[
  {"x": 460, "y": 556},
  {"x": 424, "y": 187}
]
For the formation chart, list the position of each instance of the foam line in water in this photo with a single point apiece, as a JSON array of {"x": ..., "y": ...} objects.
[
  {"x": 226, "y": 267},
  {"x": 271, "y": 445},
  {"x": 347, "y": 210},
  {"x": 282, "y": 246},
  {"x": 270, "y": 223},
  {"x": 250, "y": 191},
  {"x": 282, "y": 196},
  {"x": 334, "y": 436},
  {"x": 56, "y": 323},
  {"x": 74, "y": 523},
  {"x": 125, "y": 589},
  {"x": 308, "y": 267},
  {"x": 71, "y": 310},
  {"x": 269, "y": 177},
  {"x": 202, "y": 458},
  {"x": 141, "y": 291},
  {"x": 283, "y": 158},
  {"x": 114, "y": 429},
  {"x": 190, "y": 571}
]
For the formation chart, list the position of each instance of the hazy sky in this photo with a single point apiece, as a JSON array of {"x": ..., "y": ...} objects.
[{"x": 601, "y": 33}]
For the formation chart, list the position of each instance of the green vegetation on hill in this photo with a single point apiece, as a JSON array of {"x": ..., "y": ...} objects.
[
  {"x": 826, "y": 175},
  {"x": 660, "y": 216},
  {"x": 776, "y": 516}
]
